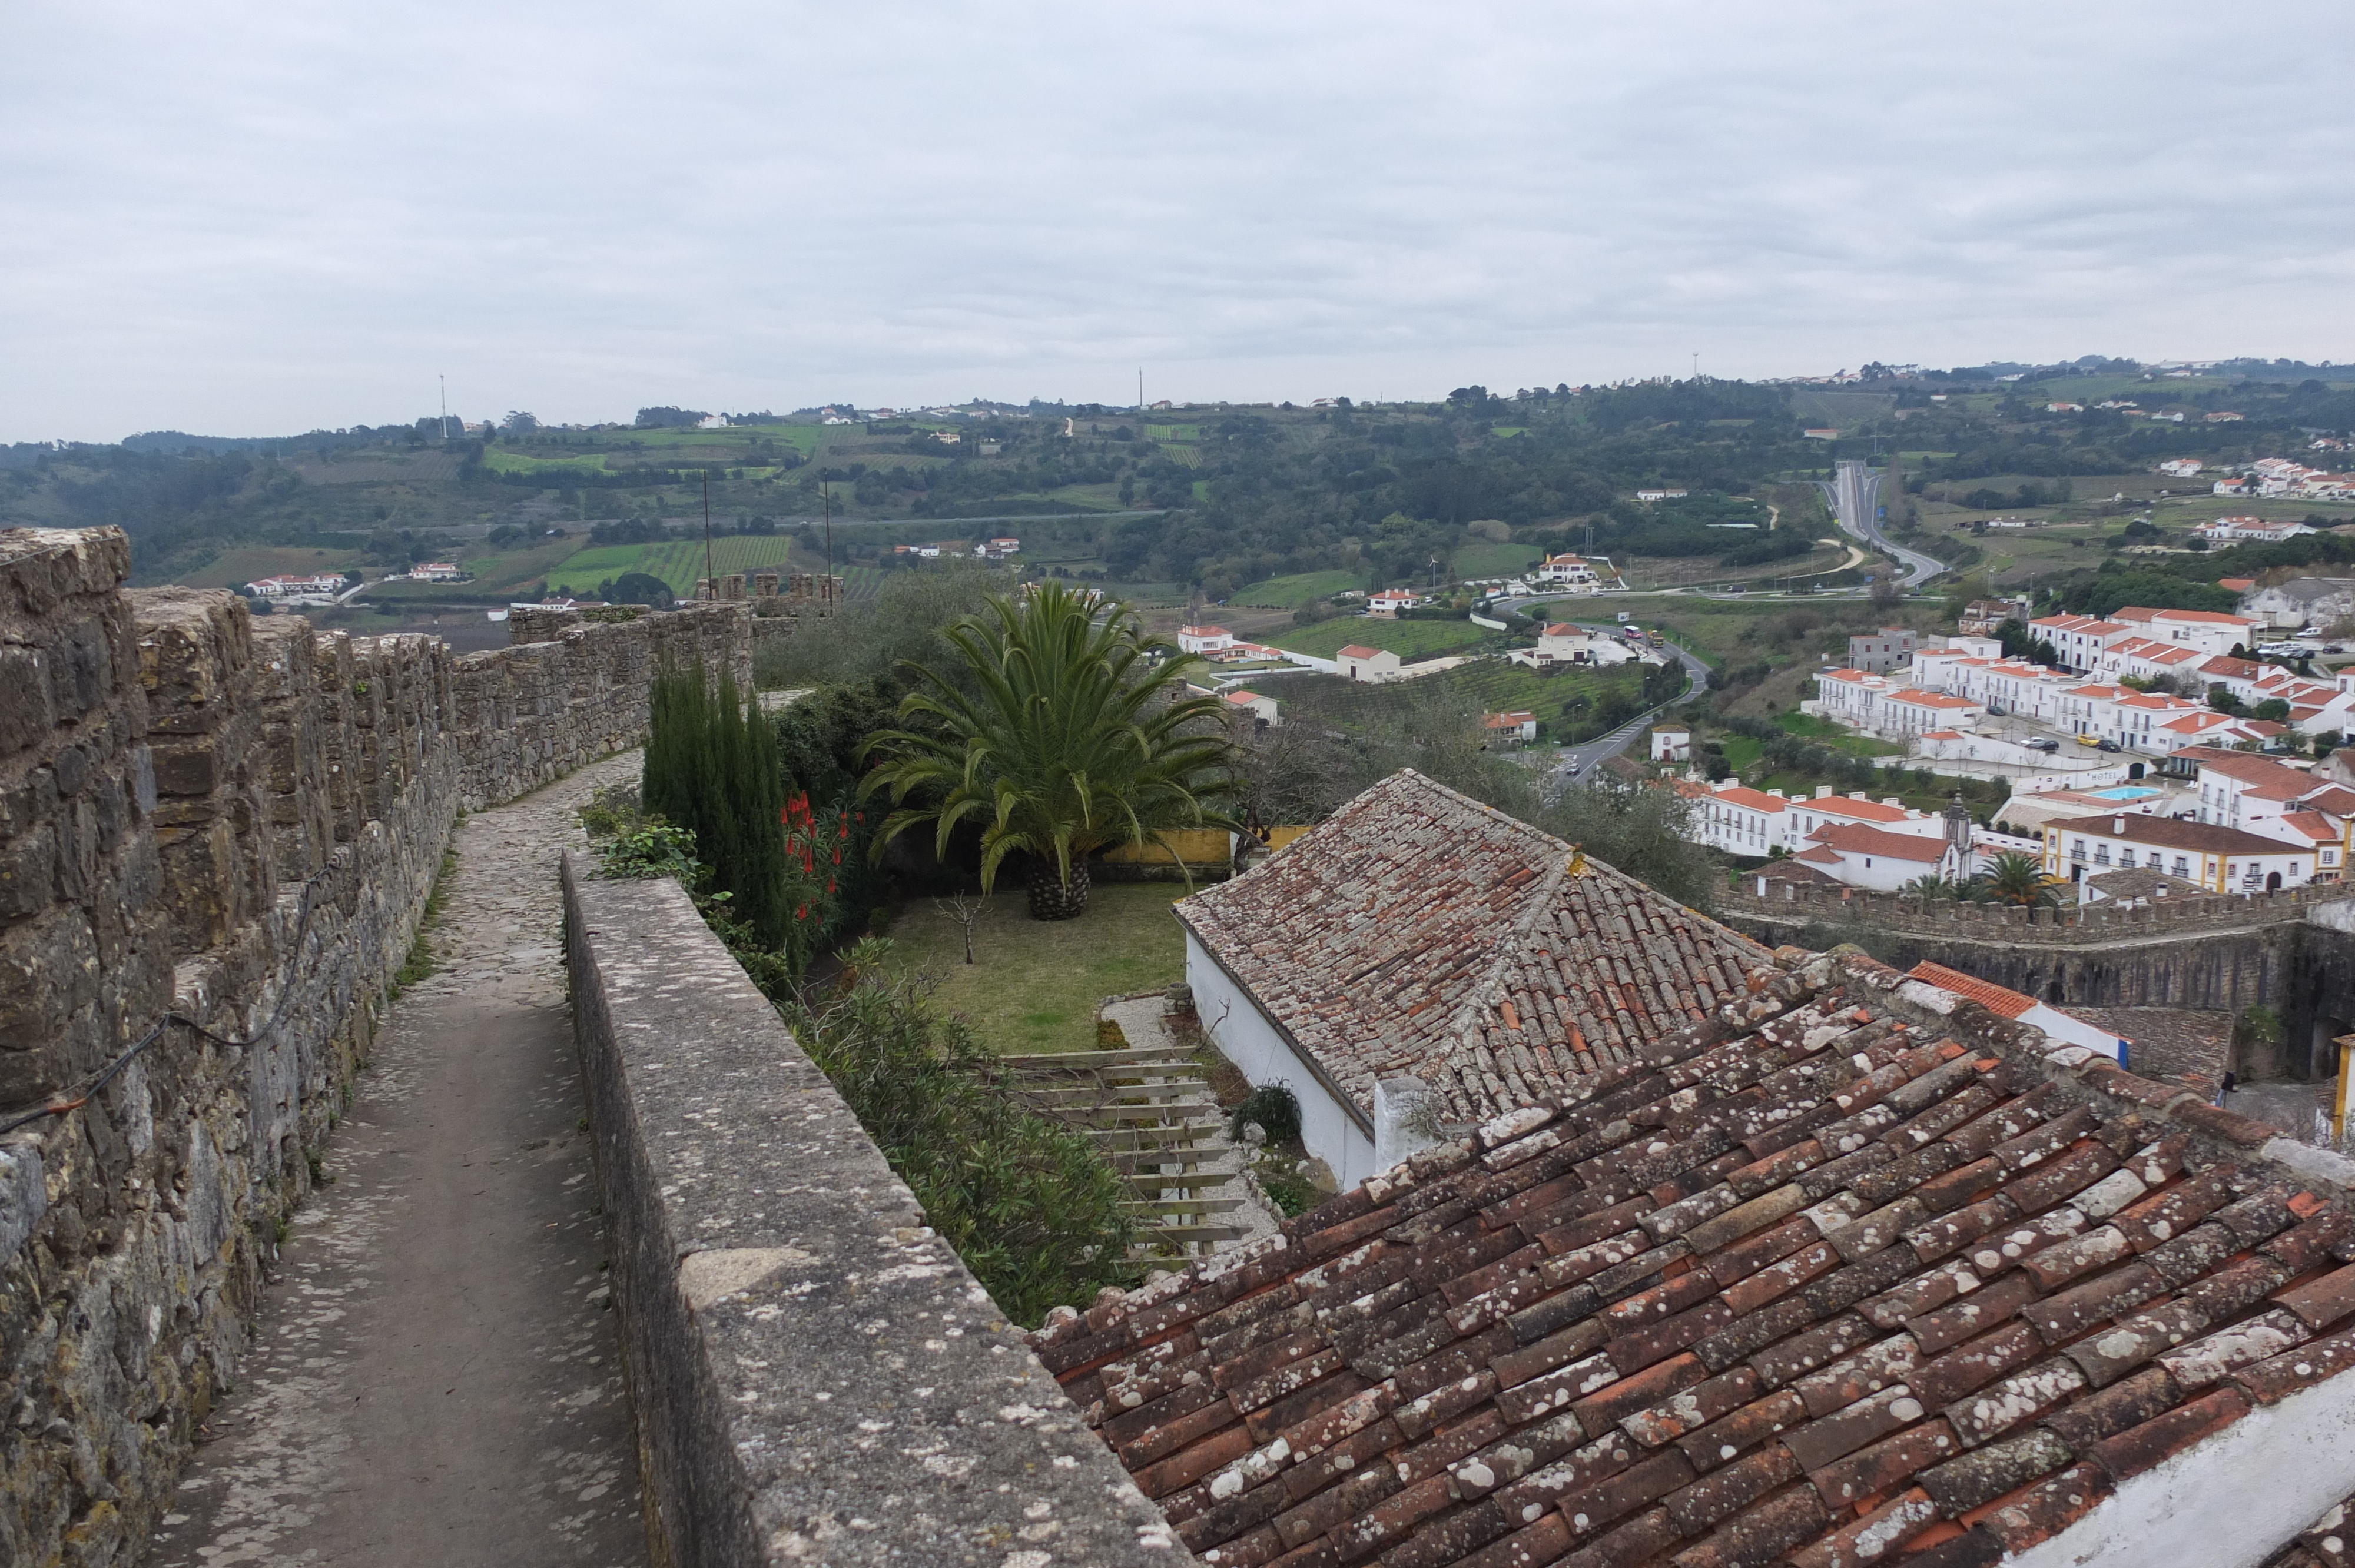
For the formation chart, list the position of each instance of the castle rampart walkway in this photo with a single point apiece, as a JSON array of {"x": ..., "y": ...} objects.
[{"x": 436, "y": 1377}]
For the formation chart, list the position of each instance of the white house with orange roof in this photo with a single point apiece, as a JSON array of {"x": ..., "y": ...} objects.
[
  {"x": 1739, "y": 820},
  {"x": 2209, "y": 630},
  {"x": 1564, "y": 643},
  {"x": 2005, "y": 1002},
  {"x": 2080, "y": 640},
  {"x": 2275, "y": 801},
  {"x": 2252, "y": 530},
  {"x": 1387, "y": 603},
  {"x": 1851, "y": 696},
  {"x": 1573, "y": 574},
  {"x": 1910, "y": 711},
  {"x": 1205, "y": 639},
  {"x": 1511, "y": 727},
  {"x": 1872, "y": 858},
  {"x": 1372, "y": 665}
]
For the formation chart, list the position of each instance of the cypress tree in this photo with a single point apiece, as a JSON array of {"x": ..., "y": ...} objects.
[{"x": 710, "y": 771}]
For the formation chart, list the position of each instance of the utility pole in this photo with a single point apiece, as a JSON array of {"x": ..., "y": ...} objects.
[
  {"x": 1140, "y": 392},
  {"x": 710, "y": 574},
  {"x": 444, "y": 382}
]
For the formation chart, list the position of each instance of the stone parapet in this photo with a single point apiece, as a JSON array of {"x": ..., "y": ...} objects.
[
  {"x": 1787, "y": 902},
  {"x": 818, "y": 1377},
  {"x": 217, "y": 836}
]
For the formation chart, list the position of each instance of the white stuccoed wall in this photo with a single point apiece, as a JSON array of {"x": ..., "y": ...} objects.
[
  {"x": 2229, "y": 1502},
  {"x": 1331, "y": 1130}
]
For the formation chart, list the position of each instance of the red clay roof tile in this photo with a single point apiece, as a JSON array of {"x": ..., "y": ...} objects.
[{"x": 1790, "y": 1282}]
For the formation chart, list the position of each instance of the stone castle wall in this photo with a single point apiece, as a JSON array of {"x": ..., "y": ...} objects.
[{"x": 237, "y": 822}]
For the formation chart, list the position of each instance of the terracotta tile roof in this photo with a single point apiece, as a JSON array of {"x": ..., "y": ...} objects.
[
  {"x": 1996, "y": 999},
  {"x": 2168, "y": 833},
  {"x": 1355, "y": 650},
  {"x": 1856, "y": 838},
  {"x": 1847, "y": 806},
  {"x": 1851, "y": 1269},
  {"x": 2337, "y": 800},
  {"x": 2313, "y": 825},
  {"x": 2248, "y": 769},
  {"x": 1756, "y": 800},
  {"x": 1417, "y": 931}
]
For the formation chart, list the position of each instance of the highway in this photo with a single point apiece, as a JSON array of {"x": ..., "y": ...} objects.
[{"x": 1855, "y": 495}]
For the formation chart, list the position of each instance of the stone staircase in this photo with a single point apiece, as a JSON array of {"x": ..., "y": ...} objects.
[{"x": 1151, "y": 1114}]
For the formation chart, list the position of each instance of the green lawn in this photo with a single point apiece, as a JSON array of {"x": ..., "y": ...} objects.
[
  {"x": 1410, "y": 640},
  {"x": 1835, "y": 737},
  {"x": 1035, "y": 984},
  {"x": 1291, "y": 592},
  {"x": 1496, "y": 560}
]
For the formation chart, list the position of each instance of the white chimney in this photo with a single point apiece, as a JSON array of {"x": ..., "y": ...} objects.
[{"x": 2117, "y": 824}]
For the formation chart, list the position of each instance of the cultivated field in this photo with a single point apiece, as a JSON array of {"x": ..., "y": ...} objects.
[{"x": 1408, "y": 639}]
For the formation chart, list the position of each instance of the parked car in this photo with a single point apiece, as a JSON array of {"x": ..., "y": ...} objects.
[
  {"x": 2105, "y": 746},
  {"x": 2043, "y": 742},
  {"x": 2088, "y": 740}
]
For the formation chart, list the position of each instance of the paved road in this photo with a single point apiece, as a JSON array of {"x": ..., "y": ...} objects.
[
  {"x": 1855, "y": 493},
  {"x": 1586, "y": 756},
  {"x": 436, "y": 1380}
]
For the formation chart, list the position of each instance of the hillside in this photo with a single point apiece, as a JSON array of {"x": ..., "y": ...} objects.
[{"x": 1275, "y": 507}]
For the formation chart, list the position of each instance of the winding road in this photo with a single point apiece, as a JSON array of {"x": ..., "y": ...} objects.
[{"x": 1855, "y": 495}]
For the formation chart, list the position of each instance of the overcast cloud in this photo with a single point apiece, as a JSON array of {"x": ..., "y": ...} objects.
[{"x": 257, "y": 218}]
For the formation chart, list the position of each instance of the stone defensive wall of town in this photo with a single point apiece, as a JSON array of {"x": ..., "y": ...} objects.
[
  {"x": 217, "y": 836},
  {"x": 816, "y": 1377},
  {"x": 2292, "y": 950}
]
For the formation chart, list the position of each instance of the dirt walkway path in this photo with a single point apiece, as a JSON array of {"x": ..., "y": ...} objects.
[{"x": 436, "y": 1378}]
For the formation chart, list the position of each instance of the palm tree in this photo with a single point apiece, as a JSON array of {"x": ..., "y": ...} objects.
[
  {"x": 1933, "y": 886},
  {"x": 1078, "y": 740},
  {"x": 2013, "y": 877}
]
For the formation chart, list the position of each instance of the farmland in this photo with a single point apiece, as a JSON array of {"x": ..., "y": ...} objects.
[
  {"x": 1291, "y": 592},
  {"x": 678, "y": 563},
  {"x": 1496, "y": 560},
  {"x": 1410, "y": 640}
]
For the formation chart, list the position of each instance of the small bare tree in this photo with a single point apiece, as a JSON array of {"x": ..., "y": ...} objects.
[{"x": 965, "y": 910}]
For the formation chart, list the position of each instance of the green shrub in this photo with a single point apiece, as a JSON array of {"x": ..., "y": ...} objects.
[
  {"x": 1276, "y": 1110},
  {"x": 1034, "y": 1211}
]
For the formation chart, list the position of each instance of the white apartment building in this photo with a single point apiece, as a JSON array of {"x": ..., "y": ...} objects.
[
  {"x": 2220, "y": 859},
  {"x": 2208, "y": 630},
  {"x": 2079, "y": 639}
]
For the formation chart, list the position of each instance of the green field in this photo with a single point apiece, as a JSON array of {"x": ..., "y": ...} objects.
[
  {"x": 1034, "y": 985},
  {"x": 500, "y": 461},
  {"x": 1191, "y": 457},
  {"x": 1291, "y": 592},
  {"x": 1496, "y": 560},
  {"x": 1560, "y": 698},
  {"x": 678, "y": 563},
  {"x": 1410, "y": 640},
  {"x": 1173, "y": 432}
]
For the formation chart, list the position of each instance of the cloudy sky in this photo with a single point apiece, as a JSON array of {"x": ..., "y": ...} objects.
[{"x": 260, "y": 217}]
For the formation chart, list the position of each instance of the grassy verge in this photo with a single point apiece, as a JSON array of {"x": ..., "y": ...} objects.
[{"x": 1035, "y": 984}]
